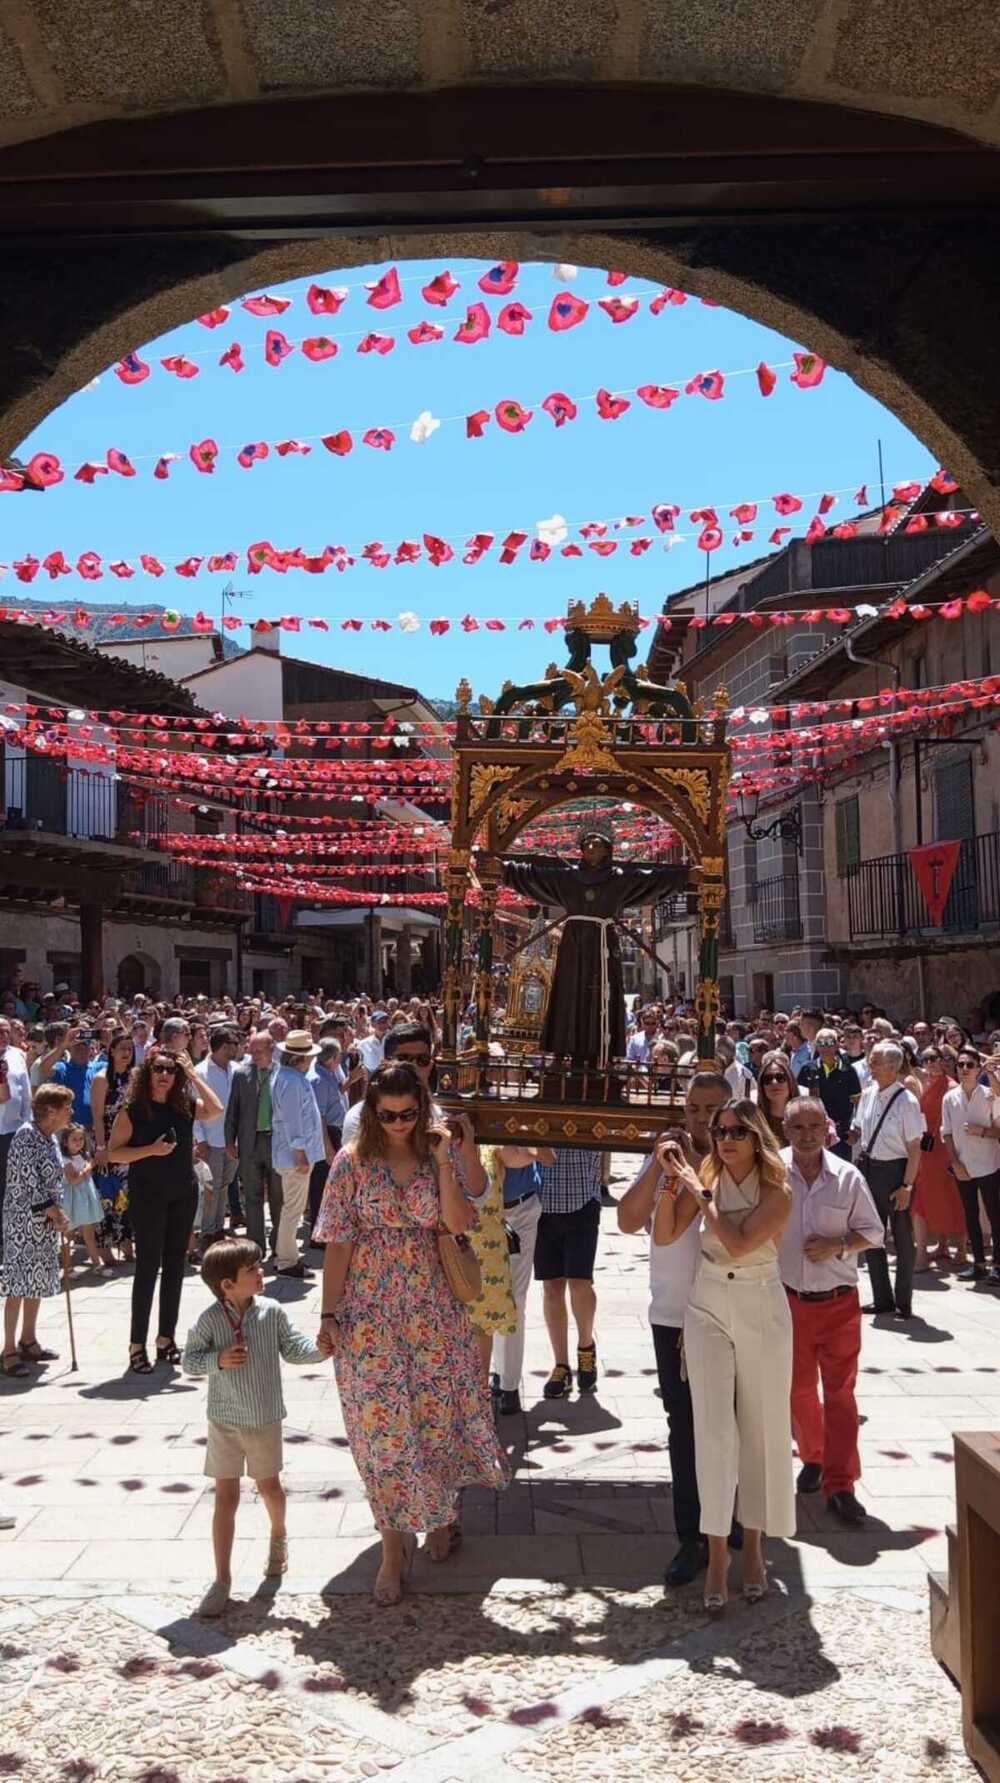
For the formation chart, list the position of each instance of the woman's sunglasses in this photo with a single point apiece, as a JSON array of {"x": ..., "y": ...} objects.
[
  {"x": 164, "y": 1070},
  {"x": 968, "y": 1064},
  {"x": 389, "y": 1117},
  {"x": 732, "y": 1130},
  {"x": 768, "y": 1082}
]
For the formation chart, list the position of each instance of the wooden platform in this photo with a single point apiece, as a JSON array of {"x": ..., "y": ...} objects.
[{"x": 531, "y": 1100}]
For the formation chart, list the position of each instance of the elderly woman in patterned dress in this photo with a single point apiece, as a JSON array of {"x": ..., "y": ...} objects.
[
  {"x": 404, "y": 1349},
  {"x": 33, "y": 1224}
]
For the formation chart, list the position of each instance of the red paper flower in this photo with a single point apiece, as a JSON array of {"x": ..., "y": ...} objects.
[
  {"x": 513, "y": 318},
  {"x": 438, "y": 627},
  {"x": 318, "y": 347},
  {"x": 949, "y": 610},
  {"x": 12, "y": 481},
  {"x": 815, "y": 530},
  {"x": 203, "y": 455},
  {"x": 438, "y": 550},
  {"x": 511, "y": 417},
  {"x": 617, "y": 278},
  {"x": 26, "y": 569},
  {"x": 324, "y": 302},
  {"x": 603, "y": 547},
  {"x": 44, "y": 470},
  {"x": 593, "y": 529},
  {"x": 424, "y": 332},
  {"x": 117, "y": 461},
  {"x": 181, "y": 367},
  {"x": 477, "y": 546},
  {"x": 657, "y": 396},
  {"x": 949, "y": 519},
  {"x": 906, "y": 492},
  {"x": 943, "y": 483},
  {"x": 189, "y": 567},
  {"x": 511, "y": 546},
  {"x": 667, "y": 296},
  {"x": 381, "y": 625},
  {"x": 611, "y": 408},
  {"x": 809, "y": 369},
  {"x": 979, "y": 601},
  {"x": 474, "y": 424},
  {"x": 132, "y": 369},
  {"x": 786, "y": 504},
  {"x": 440, "y": 289},
  {"x": 861, "y": 496},
  {"x": 571, "y": 551},
  {"x": 501, "y": 279},
  {"x": 638, "y": 546},
  {"x": 56, "y": 565},
  {"x": 469, "y": 623},
  {"x": 379, "y": 438},
  {"x": 213, "y": 318},
  {"x": 407, "y": 551},
  {"x": 918, "y": 523},
  {"x": 766, "y": 379},
  {"x": 538, "y": 551},
  {"x": 259, "y": 556},
  {"x": 710, "y": 538},
  {"x": 710, "y": 384},
  {"x": 122, "y": 569},
  {"x": 151, "y": 565},
  {"x": 338, "y": 443},
  {"x": 476, "y": 325},
  {"x": 704, "y": 517},
  {"x": 233, "y": 357},
  {"x": 276, "y": 347},
  {"x": 223, "y": 563},
  {"x": 846, "y": 530},
  {"x": 778, "y": 534},
  {"x": 386, "y": 293},
  {"x": 266, "y": 306},
  {"x": 663, "y": 516},
  {"x": 88, "y": 565},
  {"x": 561, "y": 408},
  {"x": 249, "y": 455},
  {"x": 620, "y": 309},
  {"x": 566, "y": 311},
  {"x": 377, "y": 343},
  {"x": 284, "y": 447},
  {"x": 745, "y": 513}
]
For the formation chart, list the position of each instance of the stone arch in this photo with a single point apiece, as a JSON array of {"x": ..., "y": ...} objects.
[
  {"x": 138, "y": 971},
  {"x": 921, "y": 347}
]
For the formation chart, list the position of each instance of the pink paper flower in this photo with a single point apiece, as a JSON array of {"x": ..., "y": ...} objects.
[
  {"x": 561, "y": 408},
  {"x": 566, "y": 311},
  {"x": 233, "y": 357},
  {"x": 385, "y": 293},
  {"x": 319, "y": 347},
  {"x": 440, "y": 289},
  {"x": 381, "y": 439},
  {"x": 709, "y": 384},
  {"x": 657, "y": 396},
  {"x": 338, "y": 443},
  {"x": 611, "y": 408},
  {"x": 513, "y": 318},
  {"x": 476, "y": 326},
  {"x": 324, "y": 302},
  {"x": 181, "y": 367},
  {"x": 265, "y": 306},
  {"x": 131, "y": 369},
  {"x": 377, "y": 343},
  {"x": 213, "y": 318},
  {"x": 766, "y": 379},
  {"x": 501, "y": 279},
  {"x": 117, "y": 461},
  {"x": 423, "y": 333},
  {"x": 44, "y": 470},
  {"x": 809, "y": 370},
  {"x": 276, "y": 347},
  {"x": 511, "y": 417},
  {"x": 620, "y": 309},
  {"x": 203, "y": 455}
]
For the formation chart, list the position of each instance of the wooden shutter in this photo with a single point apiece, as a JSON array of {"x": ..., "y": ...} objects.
[{"x": 848, "y": 836}]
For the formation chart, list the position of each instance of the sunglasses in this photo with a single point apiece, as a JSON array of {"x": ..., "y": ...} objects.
[
  {"x": 389, "y": 1117},
  {"x": 164, "y": 1070},
  {"x": 413, "y": 1058},
  {"x": 777, "y": 1078},
  {"x": 969, "y": 1064},
  {"x": 735, "y": 1130}
]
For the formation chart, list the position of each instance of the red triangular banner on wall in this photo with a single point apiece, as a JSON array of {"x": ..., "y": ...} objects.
[{"x": 934, "y": 869}]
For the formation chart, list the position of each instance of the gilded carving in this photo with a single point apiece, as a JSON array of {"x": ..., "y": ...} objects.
[
  {"x": 588, "y": 752},
  {"x": 484, "y": 778},
  {"x": 711, "y": 866},
  {"x": 510, "y": 811},
  {"x": 695, "y": 785},
  {"x": 463, "y": 694}
]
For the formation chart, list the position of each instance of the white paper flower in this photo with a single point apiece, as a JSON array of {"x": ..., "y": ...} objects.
[
  {"x": 424, "y": 425},
  {"x": 552, "y": 531},
  {"x": 760, "y": 715},
  {"x": 408, "y": 622},
  {"x": 866, "y": 612},
  {"x": 565, "y": 274}
]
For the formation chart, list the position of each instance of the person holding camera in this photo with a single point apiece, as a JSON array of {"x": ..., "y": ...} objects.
[
  {"x": 404, "y": 1350},
  {"x": 153, "y": 1135}
]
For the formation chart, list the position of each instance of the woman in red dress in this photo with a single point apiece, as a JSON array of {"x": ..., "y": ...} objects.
[{"x": 937, "y": 1205}]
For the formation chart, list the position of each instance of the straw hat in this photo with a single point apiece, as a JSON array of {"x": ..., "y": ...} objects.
[{"x": 299, "y": 1042}]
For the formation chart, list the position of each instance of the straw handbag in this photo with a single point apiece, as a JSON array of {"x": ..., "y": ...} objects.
[{"x": 461, "y": 1266}]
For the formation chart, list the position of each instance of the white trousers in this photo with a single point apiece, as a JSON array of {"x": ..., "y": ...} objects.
[
  {"x": 738, "y": 1349},
  {"x": 294, "y": 1195},
  {"x": 508, "y": 1352}
]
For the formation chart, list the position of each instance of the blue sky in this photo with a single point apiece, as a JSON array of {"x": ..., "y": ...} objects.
[{"x": 698, "y": 453}]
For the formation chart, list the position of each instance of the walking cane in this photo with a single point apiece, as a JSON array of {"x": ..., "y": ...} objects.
[{"x": 69, "y": 1305}]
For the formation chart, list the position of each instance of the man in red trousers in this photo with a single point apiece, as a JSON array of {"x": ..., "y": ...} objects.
[{"x": 833, "y": 1218}]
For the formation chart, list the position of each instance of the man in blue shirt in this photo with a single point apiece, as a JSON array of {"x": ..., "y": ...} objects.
[
  {"x": 809, "y": 1023},
  {"x": 299, "y": 1140},
  {"x": 328, "y": 1086},
  {"x": 76, "y": 1069}
]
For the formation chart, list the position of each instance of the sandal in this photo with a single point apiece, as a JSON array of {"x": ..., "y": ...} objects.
[
  {"x": 139, "y": 1362},
  {"x": 453, "y": 1531},
  {"x": 387, "y": 1596},
  {"x": 13, "y": 1367},
  {"x": 33, "y": 1352},
  {"x": 168, "y": 1352}
]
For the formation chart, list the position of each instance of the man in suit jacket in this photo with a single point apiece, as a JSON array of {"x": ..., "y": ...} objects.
[{"x": 249, "y": 1128}]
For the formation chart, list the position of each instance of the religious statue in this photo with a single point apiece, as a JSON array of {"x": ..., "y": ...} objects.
[{"x": 586, "y": 1014}]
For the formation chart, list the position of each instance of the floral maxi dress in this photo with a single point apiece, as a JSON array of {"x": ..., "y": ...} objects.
[{"x": 407, "y": 1365}]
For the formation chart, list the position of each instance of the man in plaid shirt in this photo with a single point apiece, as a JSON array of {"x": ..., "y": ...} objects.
[{"x": 565, "y": 1250}]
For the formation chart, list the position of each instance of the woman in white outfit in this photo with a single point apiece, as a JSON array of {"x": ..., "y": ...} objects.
[{"x": 737, "y": 1338}]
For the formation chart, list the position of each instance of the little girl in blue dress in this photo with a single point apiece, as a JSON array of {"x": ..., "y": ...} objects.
[{"x": 81, "y": 1202}]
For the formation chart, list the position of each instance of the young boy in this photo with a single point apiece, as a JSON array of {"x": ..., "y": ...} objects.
[{"x": 238, "y": 1344}]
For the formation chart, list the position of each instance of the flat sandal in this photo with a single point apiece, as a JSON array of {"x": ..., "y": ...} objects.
[{"x": 12, "y": 1366}]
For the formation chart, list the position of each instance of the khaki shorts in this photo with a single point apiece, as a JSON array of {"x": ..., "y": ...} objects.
[{"x": 232, "y": 1452}]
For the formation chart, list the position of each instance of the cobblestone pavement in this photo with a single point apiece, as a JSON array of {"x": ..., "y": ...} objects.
[{"x": 546, "y": 1648}]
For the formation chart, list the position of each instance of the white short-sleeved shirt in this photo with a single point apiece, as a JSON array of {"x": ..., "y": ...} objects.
[
  {"x": 981, "y": 1157},
  {"x": 902, "y": 1125}
]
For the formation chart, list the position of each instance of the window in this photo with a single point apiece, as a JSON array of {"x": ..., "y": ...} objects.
[
  {"x": 956, "y": 813},
  {"x": 848, "y": 837}
]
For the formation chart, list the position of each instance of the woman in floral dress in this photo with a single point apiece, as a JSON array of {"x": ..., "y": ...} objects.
[
  {"x": 107, "y": 1093},
  {"x": 404, "y": 1350}
]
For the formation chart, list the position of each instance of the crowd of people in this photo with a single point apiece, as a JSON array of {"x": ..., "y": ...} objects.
[{"x": 157, "y": 1134}]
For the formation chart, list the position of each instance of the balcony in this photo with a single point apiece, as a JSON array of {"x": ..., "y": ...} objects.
[
  {"x": 775, "y": 907},
  {"x": 42, "y": 795},
  {"x": 884, "y": 899}
]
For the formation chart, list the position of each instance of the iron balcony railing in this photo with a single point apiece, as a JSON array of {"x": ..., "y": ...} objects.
[
  {"x": 884, "y": 897},
  {"x": 775, "y": 907},
  {"x": 42, "y": 794}
]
